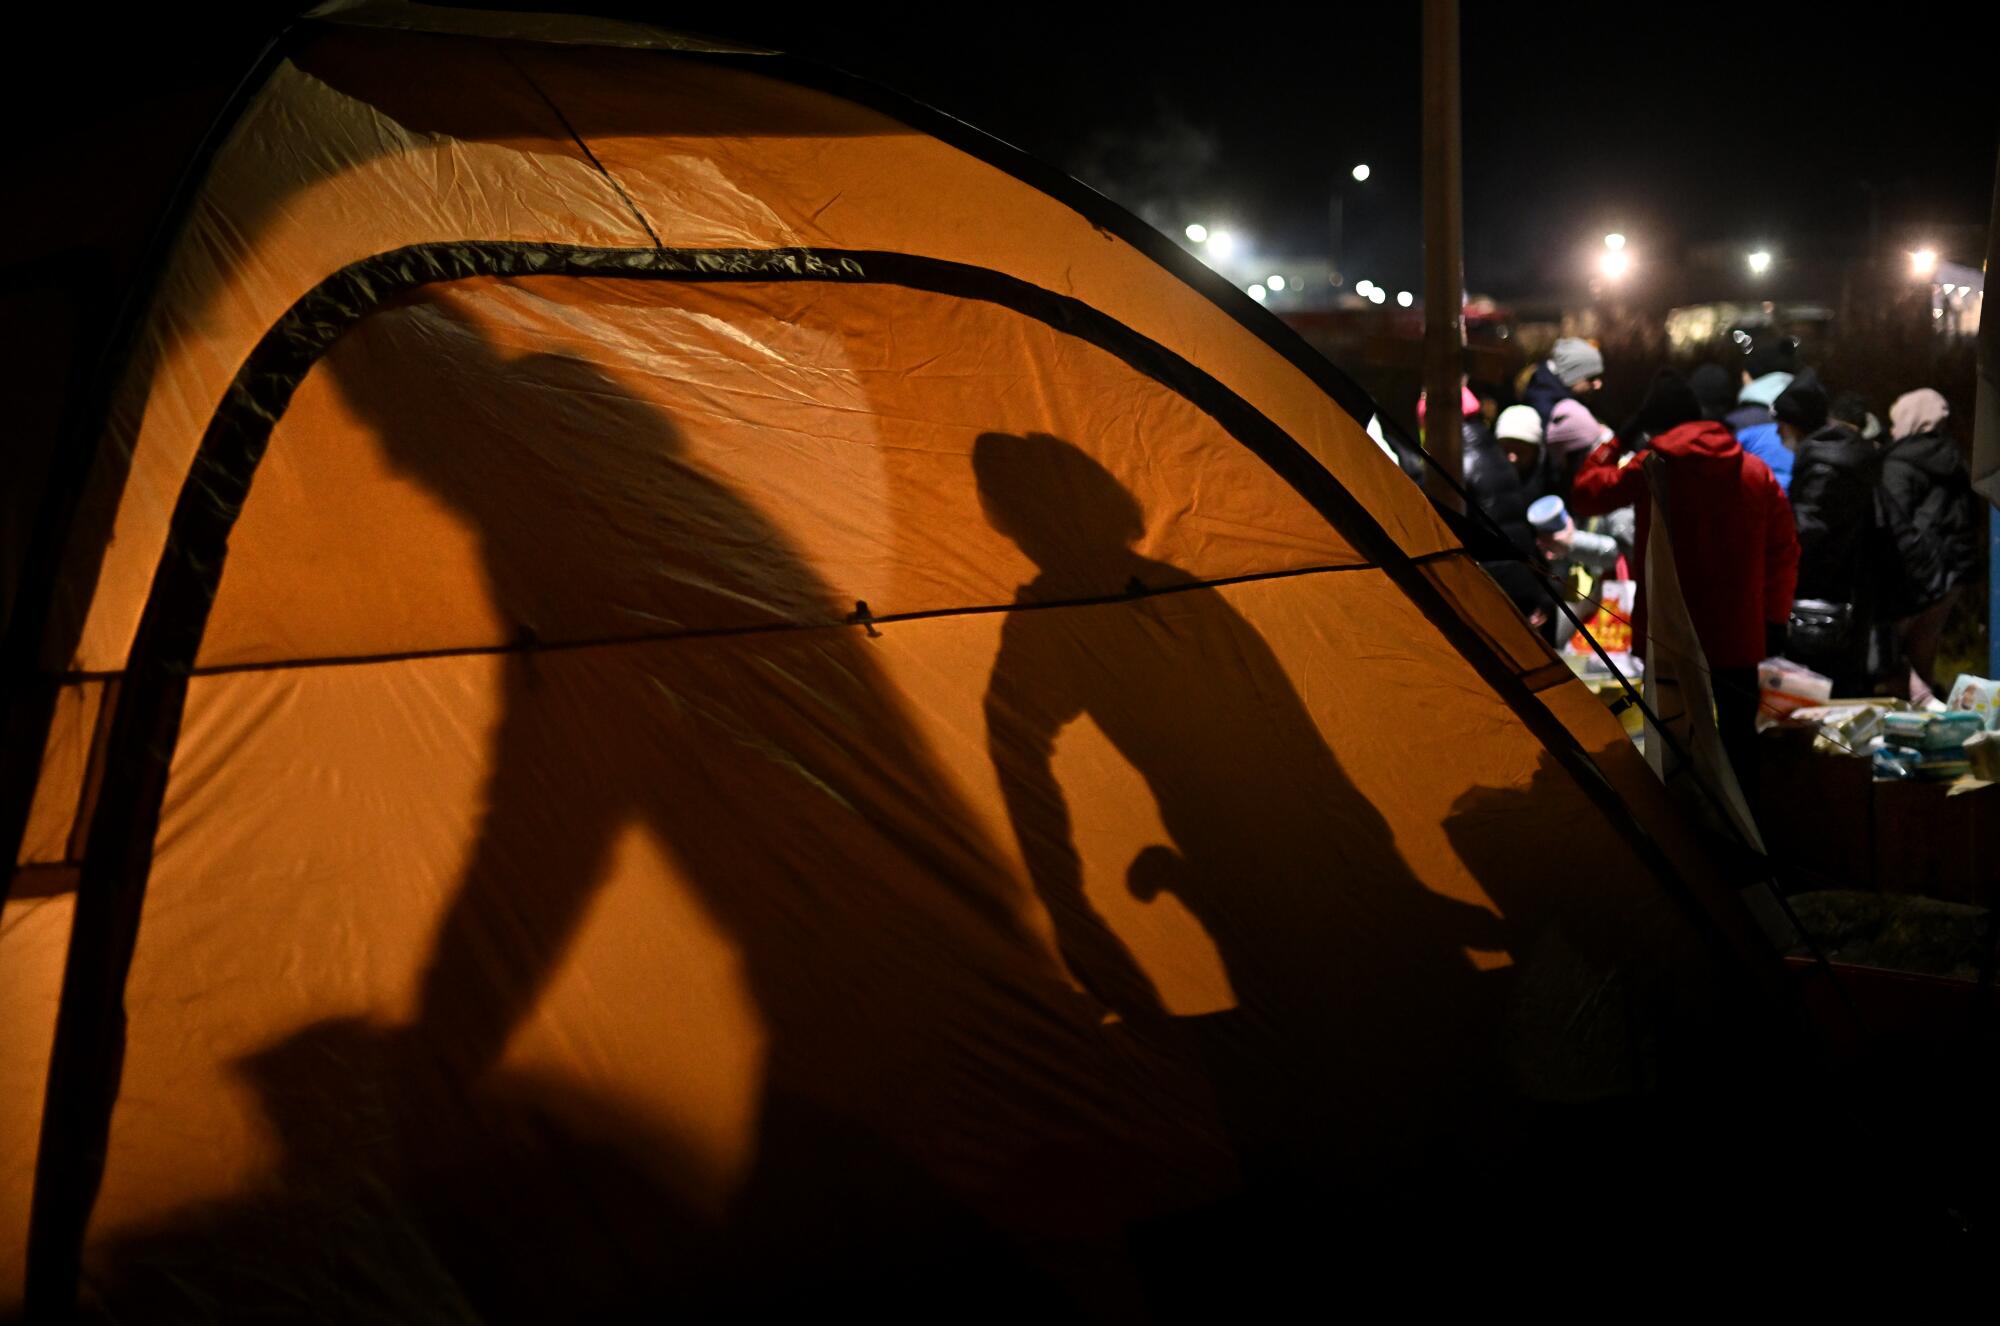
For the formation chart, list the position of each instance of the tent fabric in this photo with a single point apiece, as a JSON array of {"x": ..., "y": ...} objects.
[{"x": 669, "y": 687}]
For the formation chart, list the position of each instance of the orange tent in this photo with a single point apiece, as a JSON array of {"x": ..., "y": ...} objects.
[{"x": 666, "y": 677}]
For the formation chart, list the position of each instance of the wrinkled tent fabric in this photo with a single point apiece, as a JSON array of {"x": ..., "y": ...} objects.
[{"x": 701, "y": 685}]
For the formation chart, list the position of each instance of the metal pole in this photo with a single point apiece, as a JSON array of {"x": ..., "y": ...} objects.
[
  {"x": 1444, "y": 270},
  {"x": 1986, "y": 434}
]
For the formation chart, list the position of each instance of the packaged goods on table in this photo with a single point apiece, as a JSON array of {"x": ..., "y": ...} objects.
[
  {"x": 1931, "y": 732},
  {"x": 1976, "y": 695},
  {"x": 1899, "y": 762},
  {"x": 1784, "y": 686},
  {"x": 1842, "y": 729}
]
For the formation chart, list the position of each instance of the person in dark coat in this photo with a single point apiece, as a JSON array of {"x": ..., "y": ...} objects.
[
  {"x": 1767, "y": 369},
  {"x": 1714, "y": 389},
  {"x": 1929, "y": 507},
  {"x": 1851, "y": 408},
  {"x": 1495, "y": 487},
  {"x": 1574, "y": 370},
  {"x": 1834, "y": 474},
  {"x": 1733, "y": 541}
]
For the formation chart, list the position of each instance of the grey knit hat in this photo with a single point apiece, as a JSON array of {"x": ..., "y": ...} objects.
[{"x": 1576, "y": 361}]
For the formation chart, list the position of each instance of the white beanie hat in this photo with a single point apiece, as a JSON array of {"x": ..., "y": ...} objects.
[{"x": 1519, "y": 423}]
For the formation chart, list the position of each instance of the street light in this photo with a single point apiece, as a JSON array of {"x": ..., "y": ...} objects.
[
  {"x": 1275, "y": 281},
  {"x": 1614, "y": 241},
  {"x": 1760, "y": 262},
  {"x": 1404, "y": 299},
  {"x": 1360, "y": 172},
  {"x": 1197, "y": 232},
  {"x": 1221, "y": 244},
  {"x": 1376, "y": 294},
  {"x": 1614, "y": 263},
  {"x": 1257, "y": 292},
  {"x": 1923, "y": 263},
  {"x": 1364, "y": 287}
]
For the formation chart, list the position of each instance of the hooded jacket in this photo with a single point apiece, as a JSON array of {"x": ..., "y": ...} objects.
[
  {"x": 1765, "y": 443},
  {"x": 1929, "y": 506},
  {"x": 1734, "y": 543},
  {"x": 1833, "y": 505},
  {"x": 1544, "y": 391}
]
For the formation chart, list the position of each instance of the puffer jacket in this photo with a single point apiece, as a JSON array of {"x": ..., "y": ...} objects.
[
  {"x": 1495, "y": 486},
  {"x": 1929, "y": 506},
  {"x": 1833, "y": 503}
]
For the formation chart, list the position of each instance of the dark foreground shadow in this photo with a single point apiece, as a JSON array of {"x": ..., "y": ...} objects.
[{"x": 523, "y": 1198}]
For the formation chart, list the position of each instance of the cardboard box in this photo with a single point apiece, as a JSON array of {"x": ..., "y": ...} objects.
[
  {"x": 1816, "y": 813},
  {"x": 1930, "y": 842}
]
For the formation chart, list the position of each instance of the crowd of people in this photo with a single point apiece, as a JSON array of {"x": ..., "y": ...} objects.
[{"x": 1799, "y": 525}]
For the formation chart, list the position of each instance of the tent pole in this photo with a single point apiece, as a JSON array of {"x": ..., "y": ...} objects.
[{"x": 1444, "y": 270}]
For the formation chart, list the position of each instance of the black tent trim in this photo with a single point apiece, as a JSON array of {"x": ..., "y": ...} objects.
[{"x": 85, "y": 1063}]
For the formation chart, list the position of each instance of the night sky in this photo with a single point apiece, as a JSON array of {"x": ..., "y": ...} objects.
[{"x": 1675, "y": 124}]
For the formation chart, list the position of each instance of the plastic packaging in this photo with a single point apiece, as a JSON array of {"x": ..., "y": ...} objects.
[
  {"x": 1931, "y": 732},
  {"x": 1977, "y": 695},
  {"x": 1843, "y": 728},
  {"x": 1784, "y": 686},
  {"x": 1900, "y": 762}
]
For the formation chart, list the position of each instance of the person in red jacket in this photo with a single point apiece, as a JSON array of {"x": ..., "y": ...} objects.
[{"x": 1734, "y": 543}]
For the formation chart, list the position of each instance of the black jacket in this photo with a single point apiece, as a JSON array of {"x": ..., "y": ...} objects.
[
  {"x": 1929, "y": 506},
  {"x": 1495, "y": 487},
  {"x": 1833, "y": 505}
]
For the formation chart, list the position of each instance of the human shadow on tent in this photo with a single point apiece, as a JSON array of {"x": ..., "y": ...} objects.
[
  {"x": 1354, "y": 1037},
  {"x": 932, "y": 1093}
]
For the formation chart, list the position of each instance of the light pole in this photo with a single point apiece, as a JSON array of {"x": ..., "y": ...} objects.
[{"x": 1444, "y": 262}]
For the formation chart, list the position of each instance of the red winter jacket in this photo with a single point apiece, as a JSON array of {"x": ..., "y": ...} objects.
[{"x": 1734, "y": 543}]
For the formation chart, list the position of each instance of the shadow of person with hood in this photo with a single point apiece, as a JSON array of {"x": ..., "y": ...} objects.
[{"x": 1352, "y": 1036}]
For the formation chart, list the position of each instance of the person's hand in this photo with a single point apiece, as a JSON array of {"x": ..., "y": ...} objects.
[{"x": 1557, "y": 543}]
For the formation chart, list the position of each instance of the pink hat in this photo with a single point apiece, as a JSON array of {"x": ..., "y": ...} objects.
[
  {"x": 1572, "y": 427},
  {"x": 1468, "y": 404}
]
